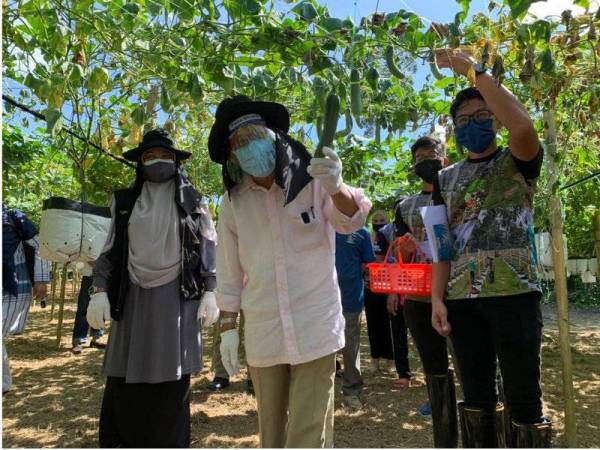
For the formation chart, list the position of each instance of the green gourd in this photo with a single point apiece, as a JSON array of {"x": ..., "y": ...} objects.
[
  {"x": 332, "y": 112},
  {"x": 355, "y": 95}
]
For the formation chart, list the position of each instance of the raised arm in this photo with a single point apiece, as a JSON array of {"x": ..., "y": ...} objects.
[{"x": 523, "y": 139}]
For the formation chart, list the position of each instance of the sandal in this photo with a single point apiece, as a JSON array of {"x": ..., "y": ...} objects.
[{"x": 97, "y": 344}]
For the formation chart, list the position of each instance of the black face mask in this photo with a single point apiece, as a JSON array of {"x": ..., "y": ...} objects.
[
  {"x": 159, "y": 172},
  {"x": 427, "y": 169},
  {"x": 378, "y": 226}
]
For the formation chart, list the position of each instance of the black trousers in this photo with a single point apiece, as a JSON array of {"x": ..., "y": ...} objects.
[
  {"x": 400, "y": 343},
  {"x": 504, "y": 330},
  {"x": 378, "y": 325},
  {"x": 431, "y": 346},
  {"x": 144, "y": 415}
]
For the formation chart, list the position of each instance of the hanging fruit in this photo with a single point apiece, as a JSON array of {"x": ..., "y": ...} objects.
[
  {"x": 355, "y": 94},
  {"x": 391, "y": 64},
  {"x": 332, "y": 113}
]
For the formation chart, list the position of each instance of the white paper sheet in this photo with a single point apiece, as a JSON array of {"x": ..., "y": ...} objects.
[{"x": 439, "y": 236}]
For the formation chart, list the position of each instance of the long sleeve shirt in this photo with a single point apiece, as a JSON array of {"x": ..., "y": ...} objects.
[{"x": 291, "y": 300}]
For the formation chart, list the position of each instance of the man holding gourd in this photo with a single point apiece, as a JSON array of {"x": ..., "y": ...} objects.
[
  {"x": 488, "y": 199},
  {"x": 277, "y": 225}
]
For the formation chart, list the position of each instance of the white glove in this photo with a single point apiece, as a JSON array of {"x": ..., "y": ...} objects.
[
  {"x": 328, "y": 170},
  {"x": 230, "y": 341},
  {"x": 208, "y": 311},
  {"x": 98, "y": 310}
]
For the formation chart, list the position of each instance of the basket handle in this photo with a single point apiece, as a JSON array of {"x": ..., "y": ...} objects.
[{"x": 396, "y": 242}]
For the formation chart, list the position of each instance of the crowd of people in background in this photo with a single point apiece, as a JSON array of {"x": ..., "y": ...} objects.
[{"x": 290, "y": 254}]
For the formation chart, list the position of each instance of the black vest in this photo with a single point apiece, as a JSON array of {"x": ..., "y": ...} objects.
[{"x": 191, "y": 285}]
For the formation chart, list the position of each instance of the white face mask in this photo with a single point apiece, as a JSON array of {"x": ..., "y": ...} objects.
[{"x": 155, "y": 161}]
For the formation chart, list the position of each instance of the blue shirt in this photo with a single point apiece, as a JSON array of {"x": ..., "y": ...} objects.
[{"x": 351, "y": 252}]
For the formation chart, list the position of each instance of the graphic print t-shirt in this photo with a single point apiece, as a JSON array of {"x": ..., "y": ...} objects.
[
  {"x": 489, "y": 204},
  {"x": 408, "y": 220}
]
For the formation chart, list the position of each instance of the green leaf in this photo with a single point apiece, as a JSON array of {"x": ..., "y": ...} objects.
[
  {"x": 306, "y": 10},
  {"x": 183, "y": 8},
  {"x": 165, "y": 99},
  {"x": 32, "y": 82},
  {"x": 155, "y": 7},
  {"x": 131, "y": 8},
  {"x": 139, "y": 115},
  {"x": 518, "y": 8},
  {"x": 464, "y": 4},
  {"x": 332, "y": 24},
  {"x": 53, "y": 121},
  {"x": 98, "y": 80},
  {"x": 547, "y": 61},
  {"x": 585, "y": 4},
  {"x": 195, "y": 88},
  {"x": 77, "y": 73},
  {"x": 541, "y": 30}
]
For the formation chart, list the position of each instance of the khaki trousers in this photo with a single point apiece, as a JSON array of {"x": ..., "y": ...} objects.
[{"x": 296, "y": 404}]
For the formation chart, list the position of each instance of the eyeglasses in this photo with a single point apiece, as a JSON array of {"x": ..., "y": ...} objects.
[{"x": 478, "y": 116}]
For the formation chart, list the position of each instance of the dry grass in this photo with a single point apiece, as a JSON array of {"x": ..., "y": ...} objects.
[{"x": 56, "y": 397}]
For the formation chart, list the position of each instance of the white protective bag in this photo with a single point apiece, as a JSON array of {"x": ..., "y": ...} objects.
[
  {"x": 543, "y": 242},
  {"x": 73, "y": 231}
]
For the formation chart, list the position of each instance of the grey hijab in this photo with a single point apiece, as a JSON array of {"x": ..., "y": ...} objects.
[{"x": 154, "y": 236}]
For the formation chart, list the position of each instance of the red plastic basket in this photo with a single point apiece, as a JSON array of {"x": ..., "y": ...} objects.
[{"x": 400, "y": 277}]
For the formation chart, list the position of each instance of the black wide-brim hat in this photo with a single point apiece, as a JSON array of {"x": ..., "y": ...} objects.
[
  {"x": 275, "y": 115},
  {"x": 156, "y": 138}
]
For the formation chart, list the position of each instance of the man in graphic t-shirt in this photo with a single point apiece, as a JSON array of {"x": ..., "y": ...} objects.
[{"x": 489, "y": 205}]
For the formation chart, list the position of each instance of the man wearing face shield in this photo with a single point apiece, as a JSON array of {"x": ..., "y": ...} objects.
[
  {"x": 428, "y": 156},
  {"x": 277, "y": 225},
  {"x": 155, "y": 279},
  {"x": 488, "y": 199}
]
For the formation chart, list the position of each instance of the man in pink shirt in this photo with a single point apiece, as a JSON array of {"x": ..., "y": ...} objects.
[{"x": 277, "y": 225}]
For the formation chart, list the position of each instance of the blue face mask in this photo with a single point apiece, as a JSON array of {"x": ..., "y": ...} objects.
[
  {"x": 257, "y": 158},
  {"x": 476, "y": 136}
]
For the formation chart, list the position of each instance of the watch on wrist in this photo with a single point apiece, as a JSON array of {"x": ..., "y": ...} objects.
[
  {"x": 226, "y": 320},
  {"x": 475, "y": 70}
]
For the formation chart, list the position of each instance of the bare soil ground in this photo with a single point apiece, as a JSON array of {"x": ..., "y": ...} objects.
[{"x": 56, "y": 397}]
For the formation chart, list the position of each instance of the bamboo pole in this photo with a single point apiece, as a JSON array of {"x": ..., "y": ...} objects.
[
  {"x": 56, "y": 274},
  {"x": 216, "y": 340},
  {"x": 597, "y": 238},
  {"x": 53, "y": 283},
  {"x": 560, "y": 281},
  {"x": 61, "y": 305}
]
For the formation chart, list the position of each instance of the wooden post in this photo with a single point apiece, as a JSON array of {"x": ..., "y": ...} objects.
[
  {"x": 597, "y": 238},
  {"x": 61, "y": 305},
  {"x": 560, "y": 281}
]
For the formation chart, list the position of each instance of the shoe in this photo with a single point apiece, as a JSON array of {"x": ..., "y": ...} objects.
[
  {"x": 97, "y": 344},
  {"x": 425, "y": 409},
  {"x": 535, "y": 435},
  {"x": 77, "y": 349},
  {"x": 442, "y": 397},
  {"x": 353, "y": 402},
  {"x": 219, "y": 384},
  {"x": 249, "y": 387}
]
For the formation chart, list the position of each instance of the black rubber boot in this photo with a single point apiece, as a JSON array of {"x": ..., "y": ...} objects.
[
  {"x": 535, "y": 435},
  {"x": 507, "y": 421},
  {"x": 442, "y": 396},
  {"x": 480, "y": 428}
]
